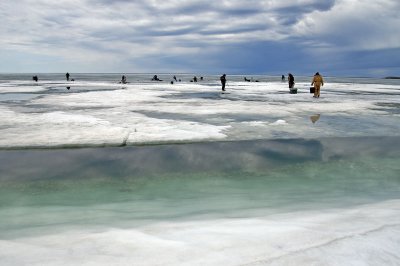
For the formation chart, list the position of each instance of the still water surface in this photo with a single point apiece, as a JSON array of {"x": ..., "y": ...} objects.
[{"x": 278, "y": 202}]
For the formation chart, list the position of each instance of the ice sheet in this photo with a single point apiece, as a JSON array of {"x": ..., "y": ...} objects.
[
  {"x": 106, "y": 113},
  {"x": 296, "y": 238}
]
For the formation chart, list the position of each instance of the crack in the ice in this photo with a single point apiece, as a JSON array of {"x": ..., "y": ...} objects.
[
  {"x": 330, "y": 242},
  {"x": 125, "y": 139}
]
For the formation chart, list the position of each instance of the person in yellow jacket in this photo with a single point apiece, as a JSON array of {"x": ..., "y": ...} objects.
[{"x": 317, "y": 81}]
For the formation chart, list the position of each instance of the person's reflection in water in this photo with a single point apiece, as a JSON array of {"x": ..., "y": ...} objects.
[{"x": 315, "y": 118}]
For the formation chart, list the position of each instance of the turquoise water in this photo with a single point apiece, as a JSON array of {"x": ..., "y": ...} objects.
[
  {"x": 132, "y": 186},
  {"x": 264, "y": 202}
]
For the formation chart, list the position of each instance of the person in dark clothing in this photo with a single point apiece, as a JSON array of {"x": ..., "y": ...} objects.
[
  {"x": 123, "y": 79},
  {"x": 175, "y": 79},
  {"x": 35, "y": 78},
  {"x": 291, "y": 80},
  {"x": 223, "y": 81},
  {"x": 195, "y": 79},
  {"x": 283, "y": 77},
  {"x": 67, "y": 76},
  {"x": 155, "y": 78}
]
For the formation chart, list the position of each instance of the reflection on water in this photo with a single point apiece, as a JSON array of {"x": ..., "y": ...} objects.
[
  {"x": 225, "y": 177},
  {"x": 5, "y": 97},
  {"x": 210, "y": 196},
  {"x": 315, "y": 118}
]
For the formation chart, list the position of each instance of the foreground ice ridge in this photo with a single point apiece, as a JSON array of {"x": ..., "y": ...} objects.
[
  {"x": 106, "y": 114},
  {"x": 295, "y": 238}
]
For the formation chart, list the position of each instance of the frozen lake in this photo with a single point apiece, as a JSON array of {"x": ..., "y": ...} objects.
[
  {"x": 96, "y": 110},
  {"x": 256, "y": 176}
]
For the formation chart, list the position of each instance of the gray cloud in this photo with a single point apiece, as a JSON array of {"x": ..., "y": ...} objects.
[{"x": 124, "y": 31}]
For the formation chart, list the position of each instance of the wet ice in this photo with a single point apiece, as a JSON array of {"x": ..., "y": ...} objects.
[{"x": 98, "y": 113}]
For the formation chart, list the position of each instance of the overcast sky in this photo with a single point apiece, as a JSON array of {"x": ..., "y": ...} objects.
[{"x": 342, "y": 37}]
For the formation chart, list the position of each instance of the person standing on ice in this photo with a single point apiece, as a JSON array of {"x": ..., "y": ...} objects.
[
  {"x": 67, "y": 76},
  {"x": 223, "y": 81},
  {"x": 317, "y": 81},
  {"x": 291, "y": 80}
]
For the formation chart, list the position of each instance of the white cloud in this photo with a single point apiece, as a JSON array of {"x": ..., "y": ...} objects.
[
  {"x": 353, "y": 25},
  {"x": 96, "y": 31}
]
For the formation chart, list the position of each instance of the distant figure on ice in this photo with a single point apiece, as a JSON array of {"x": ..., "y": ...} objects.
[
  {"x": 195, "y": 79},
  {"x": 223, "y": 81},
  {"x": 246, "y": 79},
  {"x": 175, "y": 78},
  {"x": 290, "y": 81},
  {"x": 317, "y": 82},
  {"x": 123, "y": 79},
  {"x": 283, "y": 77},
  {"x": 155, "y": 78},
  {"x": 67, "y": 76},
  {"x": 35, "y": 78}
]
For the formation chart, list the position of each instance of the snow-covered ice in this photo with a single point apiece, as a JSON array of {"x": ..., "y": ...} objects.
[
  {"x": 298, "y": 238},
  {"x": 47, "y": 114}
]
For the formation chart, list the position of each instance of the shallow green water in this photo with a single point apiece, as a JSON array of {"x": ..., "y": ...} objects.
[{"x": 131, "y": 186}]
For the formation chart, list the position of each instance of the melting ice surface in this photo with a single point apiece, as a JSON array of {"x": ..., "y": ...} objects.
[
  {"x": 291, "y": 181},
  {"x": 97, "y": 111}
]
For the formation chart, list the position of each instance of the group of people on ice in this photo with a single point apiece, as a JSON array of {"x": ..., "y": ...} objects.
[{"x": 316, "y": 82}]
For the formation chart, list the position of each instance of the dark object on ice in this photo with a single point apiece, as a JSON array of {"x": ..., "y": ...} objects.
[
  {"x": 246, "y": 79},
  {"x": 312, "y": 89},
  {"x": 195, "y": 79},
  {"x": 392, "y": 78},
  {"x": 223, "y": 81},
  {"x": 68, "y": 88},
  {"x": 293, "y": 91},
  {"x": 67, "y": 76},
  {"x": 123, "y": 79},
  {"x": 35, "y": 78},
  {"x": 172, "y": 82},
  {"x": 155, "y": 78},
  {"x": 201, "y": 78},
  {"x": 283, "y": 77},
  {"x": 291, "y": 80},
  {"x": 175, "y": 78}
]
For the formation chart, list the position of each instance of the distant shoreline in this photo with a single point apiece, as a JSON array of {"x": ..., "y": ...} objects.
[{"x": 267, "y": 75}]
